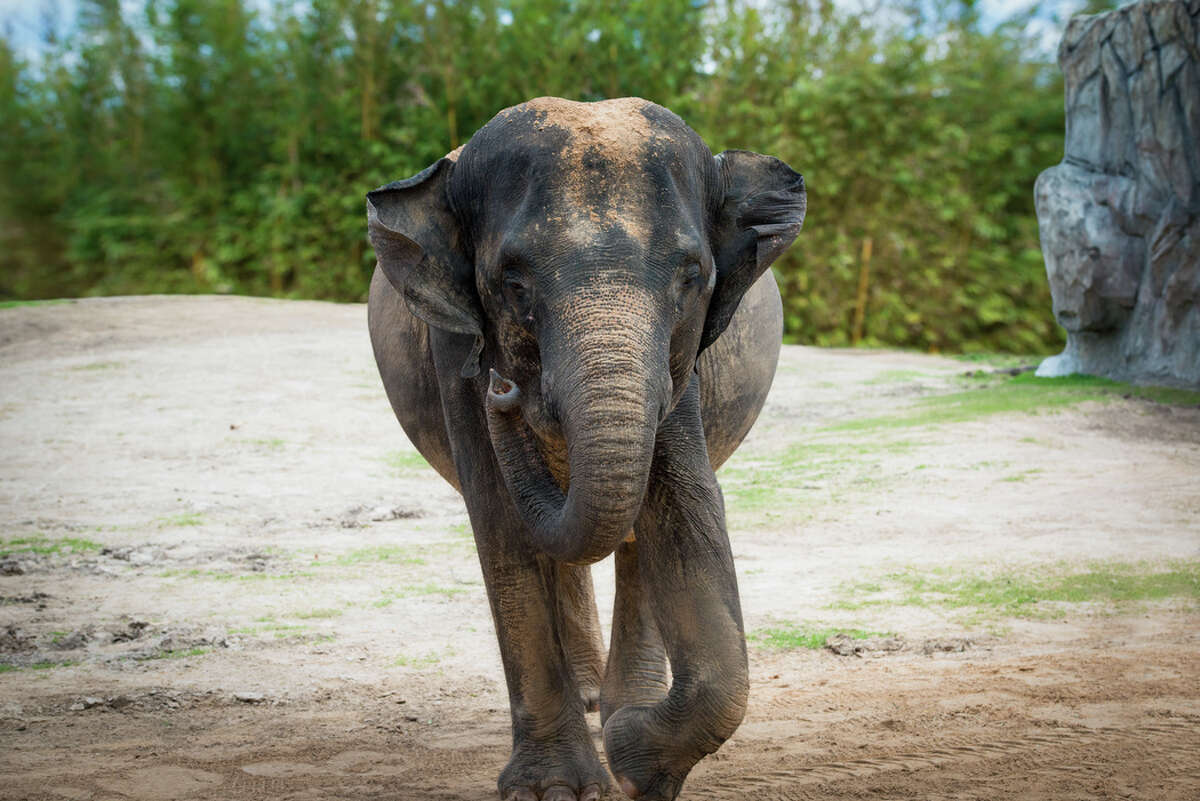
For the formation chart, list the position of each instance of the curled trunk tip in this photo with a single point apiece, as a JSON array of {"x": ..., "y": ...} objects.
[
  {"x": 609, "y": 468},
  {"x": 503, "y": 395}
]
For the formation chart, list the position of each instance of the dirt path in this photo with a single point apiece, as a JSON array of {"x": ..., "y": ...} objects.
[{"x": 228, "y": 575}]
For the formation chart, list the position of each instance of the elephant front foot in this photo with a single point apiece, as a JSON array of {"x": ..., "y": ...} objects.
[
  {"x": 554, "y": 771},
  {"x": 643, "y": 756},
  {"x": 651, "y": 749}
]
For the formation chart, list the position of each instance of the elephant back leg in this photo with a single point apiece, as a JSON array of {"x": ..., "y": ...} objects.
[
  {"x": 737, "y": 370},
  {"x": 401, "y": 345},
  {"x": 636, "y": 674},
  {"x": 684, "y": 560}
]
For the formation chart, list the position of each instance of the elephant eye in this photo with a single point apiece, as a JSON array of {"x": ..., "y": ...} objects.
[
  {"x": 690, "y": 275},
  {"x": 516, "y": 287},
  {"x": 517, "y": 292}
]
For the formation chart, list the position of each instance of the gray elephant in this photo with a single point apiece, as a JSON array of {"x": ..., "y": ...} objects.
[{"x": 575, "y": 322}]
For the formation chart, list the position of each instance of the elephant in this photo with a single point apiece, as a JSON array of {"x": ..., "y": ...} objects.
[{"x": 575, "y": 323}]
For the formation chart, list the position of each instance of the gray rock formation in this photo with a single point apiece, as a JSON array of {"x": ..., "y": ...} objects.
[{"x": 1120, "y": 216}]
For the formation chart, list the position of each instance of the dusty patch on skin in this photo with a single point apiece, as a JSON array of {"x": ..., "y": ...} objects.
[
  {"x": 604, "y": 152},
  {"x": 618, "y": 122}
]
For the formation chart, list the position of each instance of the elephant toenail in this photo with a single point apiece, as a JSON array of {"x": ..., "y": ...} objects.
[
  {"x": 558, "y": 793},
  {"x": 520, "y": 794},
  {"x": 590, "y": 793}
]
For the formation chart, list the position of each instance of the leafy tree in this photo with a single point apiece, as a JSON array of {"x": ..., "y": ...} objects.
[{"x": 224, "y": 145}]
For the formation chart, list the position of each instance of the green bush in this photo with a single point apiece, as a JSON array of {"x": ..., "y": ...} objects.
[{"x": 210, "y": 146}]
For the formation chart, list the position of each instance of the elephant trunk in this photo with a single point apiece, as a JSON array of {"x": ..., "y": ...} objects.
[{"x": 611, "y": 418}]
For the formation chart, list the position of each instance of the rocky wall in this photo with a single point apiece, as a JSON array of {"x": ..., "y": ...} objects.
[{"x": 1120, "y": 216}]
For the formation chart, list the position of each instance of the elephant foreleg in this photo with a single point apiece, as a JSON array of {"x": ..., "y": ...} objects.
[
  {"x": 685, "y": 560},
  {"x": 553, "y": 757},
  {"x": 637, "y": 662}
]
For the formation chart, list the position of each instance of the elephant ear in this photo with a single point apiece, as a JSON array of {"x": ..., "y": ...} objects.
[
  {"x": 761, "y": 213},
  {"x": 419, "y": 244}
]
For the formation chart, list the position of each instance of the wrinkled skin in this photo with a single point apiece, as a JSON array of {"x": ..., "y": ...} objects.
[{"x": 575, "y": 324}]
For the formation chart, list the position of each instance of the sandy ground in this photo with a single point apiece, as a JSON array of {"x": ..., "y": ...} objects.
[{"x": 237, "y": 582}]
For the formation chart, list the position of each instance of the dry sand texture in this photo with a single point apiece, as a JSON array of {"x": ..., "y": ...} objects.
[{"x": 229, "y": 576}]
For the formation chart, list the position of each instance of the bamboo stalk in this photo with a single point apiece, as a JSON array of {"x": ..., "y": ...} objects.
[{"x": 860, "y": 302}]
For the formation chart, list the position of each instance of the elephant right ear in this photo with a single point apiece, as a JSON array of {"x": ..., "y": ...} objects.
[
  {"x": 761, "y": 213},
  {"x": 419, "y": 244}
]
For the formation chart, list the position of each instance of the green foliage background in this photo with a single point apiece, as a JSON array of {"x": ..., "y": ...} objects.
[{"x": 212, "y": 146}]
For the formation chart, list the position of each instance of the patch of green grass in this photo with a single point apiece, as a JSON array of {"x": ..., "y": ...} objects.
[
  {"x": 180, "y": 520},
  {"x": 267, "y": 443},
  {"x": 998, "y": 360},
  {"x": 78, "y": 544},
  {"x": 7, "y": 668},
  {"x": 41, "y": 544},
  {"x": 225, "y": 575},
  {"x": 417, "y": 662},
  {"x": 319, "y": 614},
  {"x": 424, "y": 661},
  {"x": 776, "y": 482},
  {"x": 1025, "y": 393},
  {"x": 293, "y": 575},
  {"x": 278, "y": 630},
  {"x": 412, "y": 555},
  {"x": 759, "y": 492},
  {"x": 406, "y": 461},
  {"x": 48, "y": 665},
  {"x": 100, "y": 366},
  {"x": 174, "y": 653},
  {"x": 988, "y": 464},
  {"x": 1168, "y": 396},
  {"x": 896, "y": 377},
  {"x": 183, "y": 653},
  {"x": 792, "y": 636},
  {"x": 1024, "y": 475},
  {"x": 14, "y": 304},
  {"x": 432, "y": 588},
  {"x": 194, "y": 572},
  {"x": 1020, "y": 591},
  {"x": 390, "y": 596},
  {"x": 386, "y": 554}
]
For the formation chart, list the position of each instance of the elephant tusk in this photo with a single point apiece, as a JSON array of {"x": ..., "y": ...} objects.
[{"x": 503, "y": 395}]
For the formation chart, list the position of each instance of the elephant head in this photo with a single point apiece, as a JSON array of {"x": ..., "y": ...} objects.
[{"x": 592, "y": 251}]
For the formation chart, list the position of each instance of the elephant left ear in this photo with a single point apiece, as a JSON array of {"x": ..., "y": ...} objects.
[
  {"x": 761, "y": 213},
  {"x": 420, "y": 247}
]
